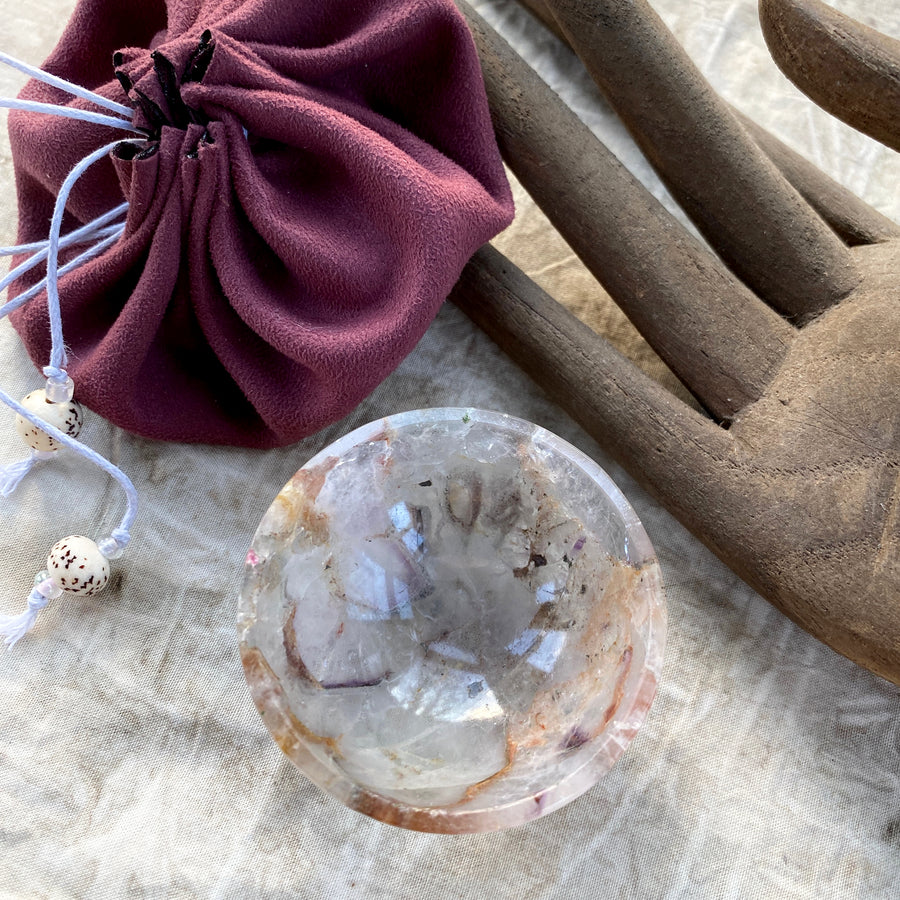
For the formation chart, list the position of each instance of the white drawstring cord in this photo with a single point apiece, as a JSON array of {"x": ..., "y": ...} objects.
[
  {"x": 104, "y": 231},
  {"x": 83, "y": 235},
  {"x": 21, "y": 299},
  {"x": 67, "y": 86},
  {"x": 68, "y": 112}
]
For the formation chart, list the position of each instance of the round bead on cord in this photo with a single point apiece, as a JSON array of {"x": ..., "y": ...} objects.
[
  {"x": 75, "y": 565},
  {"x": 67, "y": 416},
  {"x": 64, "y": 413},
  {"x": 50, "y": 419}
]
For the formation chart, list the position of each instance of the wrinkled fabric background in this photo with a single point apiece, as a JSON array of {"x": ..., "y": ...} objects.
[{"x": 133, "y": 764}]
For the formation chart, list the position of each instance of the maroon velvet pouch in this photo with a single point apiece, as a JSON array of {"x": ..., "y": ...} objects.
[{"x": 317, "y": 175}]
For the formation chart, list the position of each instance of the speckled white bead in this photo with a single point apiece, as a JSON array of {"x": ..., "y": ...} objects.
[
  {"x": 76, "y": 564},
  {"x": 67, "y": 417}
]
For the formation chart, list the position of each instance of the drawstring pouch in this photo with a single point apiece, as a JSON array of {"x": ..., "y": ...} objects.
[{"x": 255, "y": 208}]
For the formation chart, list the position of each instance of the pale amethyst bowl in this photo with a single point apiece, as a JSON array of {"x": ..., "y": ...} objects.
[{"x": 452, "y": 621}]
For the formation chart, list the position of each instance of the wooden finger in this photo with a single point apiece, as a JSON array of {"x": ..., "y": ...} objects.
[
  {"x": 712, "y": 331},
  {"x": 852, "y": 219},
  {"x": 846, "y": 67},
  {"x": 760, "y": 226}
]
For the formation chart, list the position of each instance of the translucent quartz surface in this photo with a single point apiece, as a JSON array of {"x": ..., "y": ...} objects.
[{"x": 452, "y": 620}]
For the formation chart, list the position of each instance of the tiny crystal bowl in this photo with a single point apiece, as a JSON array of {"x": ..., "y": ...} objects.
[{"x": 452, "y": 621}]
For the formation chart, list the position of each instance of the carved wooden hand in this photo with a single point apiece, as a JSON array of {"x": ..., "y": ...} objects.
[{"x": 789, "y": 335}]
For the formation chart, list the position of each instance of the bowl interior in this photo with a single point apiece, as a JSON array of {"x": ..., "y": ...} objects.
[{"x": 452, "y": 620}]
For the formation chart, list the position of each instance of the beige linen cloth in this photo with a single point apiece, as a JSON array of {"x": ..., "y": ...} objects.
[{"x": 134, "y": 765}]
